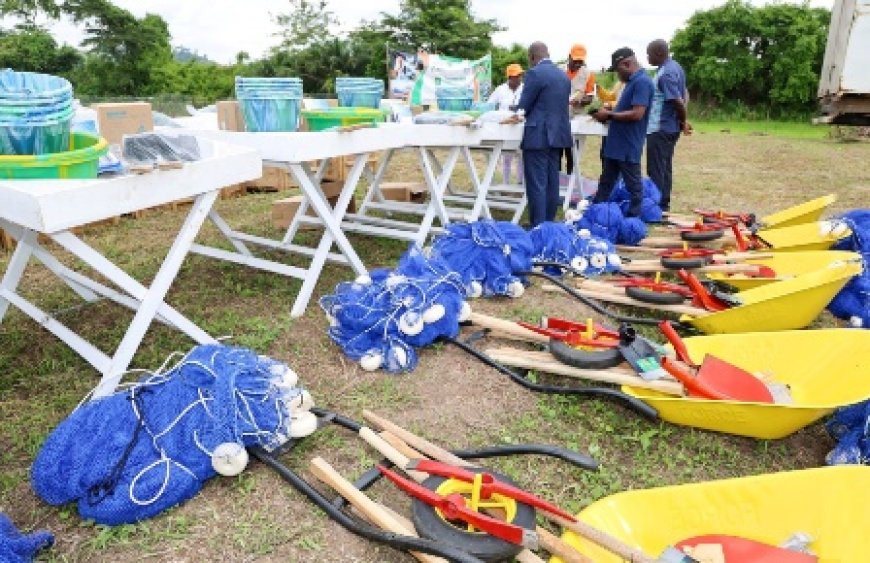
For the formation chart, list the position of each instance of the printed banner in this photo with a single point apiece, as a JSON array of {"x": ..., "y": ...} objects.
[{"x": 416, "y": 76}]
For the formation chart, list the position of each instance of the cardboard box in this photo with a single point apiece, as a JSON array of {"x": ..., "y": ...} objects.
[
  {"x": 273, "y": 180},
  {"x": 117, "y": 120},
  {"x": 229, "y": 116},
  {"x": 335, "y": 170},
  {"x": 414, "y": 192},
  {"x": 373, "y": 160},
  {"x": 284, "y": 210},
  {"x": 331, "y": 189}
]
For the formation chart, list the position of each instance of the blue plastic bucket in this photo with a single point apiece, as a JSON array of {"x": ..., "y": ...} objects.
[{"x": 271, "y": 114}]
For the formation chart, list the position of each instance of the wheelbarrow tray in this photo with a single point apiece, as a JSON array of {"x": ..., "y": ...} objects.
[
  {"x": 786, "y": 265},
  {"x": 797, "y": 238},
  {"x": 807, "y": 212},
  {"x": 824, "y": 369},
  {"x": 825, "y": 503},
  {"x": 786, "y": 305}
]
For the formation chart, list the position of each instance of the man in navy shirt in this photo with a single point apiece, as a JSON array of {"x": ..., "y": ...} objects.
[
  {"x": 547, "y": 131},
  {"x": 627, "y": 131},
  {"x": 668, "y": 118}
]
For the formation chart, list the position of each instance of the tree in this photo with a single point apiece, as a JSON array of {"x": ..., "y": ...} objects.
[
  {"x": 307, "y": 24},
  {"x": 769, "y": 56},
  {"x": 443, "y": 26},
  {"x": 35, "y": 50},
  {"x": 126, "y": 55},
  {"x": 26, "y": 11}
]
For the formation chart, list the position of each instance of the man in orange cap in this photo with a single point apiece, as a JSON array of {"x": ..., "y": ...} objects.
[
  {"x": 506, "y": 97},
  {"x": 582, "y": 88}
]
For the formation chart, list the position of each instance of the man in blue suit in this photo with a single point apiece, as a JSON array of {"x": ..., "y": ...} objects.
[{"x": 547, "y": 132}]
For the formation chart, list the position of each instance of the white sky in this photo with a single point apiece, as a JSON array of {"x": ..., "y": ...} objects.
[{"x": 221, "y": 28}]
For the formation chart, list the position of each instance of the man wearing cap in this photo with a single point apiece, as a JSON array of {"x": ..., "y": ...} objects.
[
  {"x": 582, "y": 88},
  {"x": 668, "y": 118},
  {"x": 627, "y": 130},
  {"x": 547, "y": 132},
  {"x": 506, "y": 97}
]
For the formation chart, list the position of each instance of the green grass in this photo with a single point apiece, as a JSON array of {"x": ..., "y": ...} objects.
[{"x": 785, "y": 129}]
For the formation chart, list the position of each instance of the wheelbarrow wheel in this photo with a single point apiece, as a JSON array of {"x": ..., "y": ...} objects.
[
  {"x": 585, "y": 358},
  {"x": 431, "y": 525},
  {"x": 691, "y": 263},
  {"x": 701, "y": 236},
  {"x": 654, "y": 297}
]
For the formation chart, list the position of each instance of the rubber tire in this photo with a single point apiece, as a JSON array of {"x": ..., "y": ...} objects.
[
  {"x": 585, "y": 359},
  {"x": 701, "y": 236},
  {"x": 684, "y": 263},
  {"x": 485, "y": 547},
  {"x": 654, "y": 297}
]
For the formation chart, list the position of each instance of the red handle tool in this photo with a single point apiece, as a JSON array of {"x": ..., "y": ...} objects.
[{"x": 454, "y": 507}]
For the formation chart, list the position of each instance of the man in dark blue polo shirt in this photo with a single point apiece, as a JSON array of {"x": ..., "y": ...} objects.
[
  {"x": 627, "y": 131},
  {"x": 667, "y": 119}
]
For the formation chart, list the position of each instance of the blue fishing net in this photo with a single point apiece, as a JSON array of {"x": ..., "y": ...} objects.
[
  {"x": 16, "y": 547},
  {"x": 853, "y": 301},
  {"x": 850, "y": 427},
  {"x": 490, "y": 253},
  {"x": 133, "y": 454},
  {"x": 651, "y": 212},
  {"x": 858, "y": 221},
  {"x": 562, "y": 243},
  {"x": 381, "y": 318}
]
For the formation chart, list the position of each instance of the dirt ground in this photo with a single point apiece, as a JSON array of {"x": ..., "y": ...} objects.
[{"x": 451, "y": 398}]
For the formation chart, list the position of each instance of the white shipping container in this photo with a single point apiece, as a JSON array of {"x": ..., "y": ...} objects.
[{"x": 844, "y": 87}]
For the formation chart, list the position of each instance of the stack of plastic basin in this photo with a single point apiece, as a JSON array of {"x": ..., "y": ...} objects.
[
  {"x": 359, "y": 92},
  {"x": 35, "y": 113},
  {"x": 269, "y": 104},
  {"x": 79, "y": 160},
  {"x": 453, "y": 98}
]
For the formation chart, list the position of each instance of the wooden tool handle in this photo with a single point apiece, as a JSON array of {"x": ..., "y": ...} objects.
[
  {"x": 389, "y": 452},
  {"x": 603, "y": 539},
  {"x": 559, "y": 548},
  {"x": 520, "y": 360},
  {"x": 372, "y": 511},
  {"x": 420, "y": 444},
  {"x": 509, "y": 329}
]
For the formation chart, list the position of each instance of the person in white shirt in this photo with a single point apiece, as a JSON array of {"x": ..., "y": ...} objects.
[{"x": 506, "y": 97}]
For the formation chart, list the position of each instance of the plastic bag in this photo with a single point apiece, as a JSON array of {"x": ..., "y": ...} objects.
[{"x": 157, "y": 148}]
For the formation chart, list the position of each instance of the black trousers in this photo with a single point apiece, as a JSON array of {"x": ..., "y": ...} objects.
[
  {"x": 630, "y": 175},
  {"x": 569, "y": 161},
  {"x": 541, "y": 176},
  {"x": 660, "y": 162}
]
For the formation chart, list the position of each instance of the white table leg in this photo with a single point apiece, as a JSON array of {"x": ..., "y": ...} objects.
[
  {"x": 51, "y": 263},
  {"x": 15, "y": 269},
  {"x": 374, "y": 191},
  {"x": 438, "y": 184},
  {"x": 576, "y": 180},
  {"x": 332, "y": 221},
  {"x": 481, "y": 186},
  {"x": 154, "y": 297}
]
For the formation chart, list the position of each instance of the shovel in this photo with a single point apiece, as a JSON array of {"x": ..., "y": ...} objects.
[
  {"x": 715, "y": 378},
  {"x": 742, "y": 550}
]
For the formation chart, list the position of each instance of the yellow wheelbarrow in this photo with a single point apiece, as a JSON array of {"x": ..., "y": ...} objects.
[
  {"x": 782, "y": 266},
  {"x": 787, "y": 305},
  {"x": 820, "y": 235},
  {"x": 823, "y": 369},
  {"x": 826, "y": 504},
  {"x": 807, "y": 212}
]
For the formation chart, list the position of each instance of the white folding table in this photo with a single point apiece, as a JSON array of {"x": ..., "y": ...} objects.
[
  {"x": 55, "y": 207},
  {"x": 424, "y": 140},
  {"x": 292, "y": 151},
  {"x": 495, "y": 139}
]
